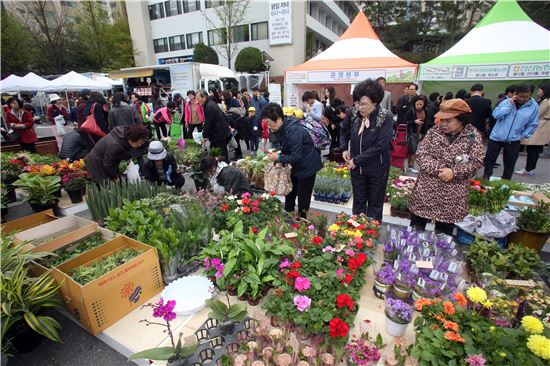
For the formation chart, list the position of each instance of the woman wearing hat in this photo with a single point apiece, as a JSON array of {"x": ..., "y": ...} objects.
[
  {"x": 161, "y": 167},
  {"x": 56, "y": 108},
  {"x": 450, "y": 154}
]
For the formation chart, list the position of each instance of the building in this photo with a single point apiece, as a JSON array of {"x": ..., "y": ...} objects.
[{"x": 167, "y": 31}]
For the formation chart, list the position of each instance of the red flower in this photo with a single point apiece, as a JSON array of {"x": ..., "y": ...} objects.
[
  {"x": 344, "y": 300},
  {"x": 224, "y": 208},
  {"x": 296, "y": 265},
  {"x": 272, "y": 193},
  {"x": 246, "y": 209},
  {"x": 353, "y": 263},
  {"x": 317, "y": 240},
  {"x": 347, "y": 279},
  {"x": 255, "y": 230},
  {"x": 359, "y": 245},
  {"x": 338, "y": 328},
  {"x": 291, "y": 276},
  {"x": 295, "y": 226},
  {"x": 255, "y": 210},
  {"x": 361, "y": 257},
  {"x": 255, "y": 203},
  {"x": 371, "y": 232},
  {"x": 245, "y": 201}
]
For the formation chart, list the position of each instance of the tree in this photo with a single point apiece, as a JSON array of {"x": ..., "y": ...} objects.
[
  {"x": 120, "y": 45},
  {"x": 92, "y": 21},
  {"x": 249, "y": 60},
  {"x": 229, "y": 13},
  {"x": 203, "y": 53},
  {"x": 15, "y": 59}
]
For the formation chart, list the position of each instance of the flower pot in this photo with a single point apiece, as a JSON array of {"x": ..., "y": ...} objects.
[
  {"x": 416, "y": 296},
  {"x": 57, "y": 193},
  {"x": 528, "y": 239},
  {"x": 243, "y": 297},
  {"x": 75, "y": 195},
  {"x": 395, "y": 329},
  {"x": 227, "y": 327},
  {"x": 4, "y": 213},
  {"x": 10, "y": 190},
  {"x": 380, "y": 287},
  {"x": 176, "y": 362},
  {"x": 253, "y": 301},
  {"x": 38, "y": 207},
  {"x": 404, "y": 214},
  {"x": 274, "y": 322},
  {"x": 401, "y": 292}
]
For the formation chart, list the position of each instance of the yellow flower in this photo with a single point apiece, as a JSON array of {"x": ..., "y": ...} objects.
[
  {"x": 532, "y": 325},
  {"x": 358, "y": 234},
  {"x": 539, "y": 345},
  {"x": 492, "y": 328},
  {"x": 502, "y": 354},
  {"x": 487, "y": 304},
  {"x": 334, "y": 227},
  {"x": 476, "y": 295},
  {"x": 350, "y": 232},
  {"x": 47, "y": 170}
]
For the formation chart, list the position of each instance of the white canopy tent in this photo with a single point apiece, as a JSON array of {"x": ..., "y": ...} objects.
[
  {"x": 107, "y": 80},
  {"x": 31, "y": 82},
  {"x": 10, "y": 84},
  {"x": 74, "y": 81}
]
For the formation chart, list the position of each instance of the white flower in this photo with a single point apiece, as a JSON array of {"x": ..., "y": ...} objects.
[
  {"x": 236, "y": 210},
  {"x": 265, "y": 196},
  {"x": 232, "y": 198}
]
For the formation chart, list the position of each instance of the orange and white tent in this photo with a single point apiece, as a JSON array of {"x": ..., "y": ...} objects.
[{"x": 357, "y": 55}]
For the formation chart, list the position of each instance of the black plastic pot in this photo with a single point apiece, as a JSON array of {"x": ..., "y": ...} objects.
[
  {"x": 227, "y": 327},
  {"x": 57, "y": 193},
  {"x": 37, "y": 207},
  {"x": 4, "y": 213},
  {"x": 23, "y": 338},
  {"x": 10, "y": 190},
  {"x": 75, "y": 196}
]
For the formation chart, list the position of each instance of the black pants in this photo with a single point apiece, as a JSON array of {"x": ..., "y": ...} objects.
[
  {"x": 222, "y": 145},
  {"x": 509, "y": 157},
  {"x": 191, "y": 128},
  {"x": 369, "y": 190},
  {"x": 301, "y": 188},
  {"x": 533, "y": 152},
  {"x": 335, "y": 137},
  {"x": 440, "y": 227},
  {"x": 28, "y": 147},
  {"x": 162, "y": 130}
]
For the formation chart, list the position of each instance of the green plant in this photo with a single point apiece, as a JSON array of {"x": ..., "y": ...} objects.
[
  {"x": 11, "y": 166},
  {"x": 73, "y": 250},
  {"x": 87, "y": 273},
  {"x": 39, "y": 189},
  {"x": 249, "y": 60},
  {"x": 75, "y": 180},
  {"x": 535, "y": 219},
  {"x": 219, "y": 310},
  {"x": 3, "y": 196},
  {"x": 205, "y": 54}
]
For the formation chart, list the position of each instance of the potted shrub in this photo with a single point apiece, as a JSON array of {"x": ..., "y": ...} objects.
[
  {"x": 398, "y": 205},
  {"x": 227, "y": 315},
  {"x": 534, "y": 227},
  {"x": 398, "y": 316},
  {"x": 40, "y": 190},
  {"x": 11, "y": 168},
  {"x": 384, "y": 278},
  {"x": 74, "y": 183}
]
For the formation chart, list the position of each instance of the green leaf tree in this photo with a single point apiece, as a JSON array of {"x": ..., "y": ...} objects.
[
  {"x": 205, "y": 54},
  {"x": 249, "y": 60},
  {"x": 15, "y": 59}
]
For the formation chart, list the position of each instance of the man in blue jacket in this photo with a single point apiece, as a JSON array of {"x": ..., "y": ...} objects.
[{"x": 516, "y": 119}]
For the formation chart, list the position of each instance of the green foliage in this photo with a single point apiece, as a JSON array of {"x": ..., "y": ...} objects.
[
  {"x": 234, "y": 313},
  {"x": 15, "y": 59},
  {"x": 205, "y": 54},
  {"x": 166, "y": 353},
  {"x": 73, "y": 250},
  {"x": 249, "y": 60},
  {"x": 39, "y": 189},
  {"x": 535, "y": 219},
  {"x": 89, "y": 272}
]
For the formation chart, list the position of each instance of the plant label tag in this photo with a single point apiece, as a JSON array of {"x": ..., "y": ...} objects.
[
  {"x": 340, "y": 247},
  {"x": 426, "y": 244},
  {"x": 403, "y": 242},
  {"x": 216, "y": 237},
  {"x": 399, "y": 276},
  {"x": 395, "y": 265},
  {"x": 461, "y": 285},
  {"x": 431, "y": 259},
  {"x": 453, "y": 267},
  {"x": 454, "y": 253},
  {"x": 434, "y": 275},
  {"x": 443, "y": 276},
  {"x": 521, "y": 283},
  {"x": 442, "y": 287},
  {"x": 426, "y": 253},
  {"x": 453, "y": 245},
  {"x": 240, "y": 202},
  {"x": 290, "y": 235},
  {"x": 412, "y": 257},
  {"x": 353, "y": 223},
  {"x": 409, "y": 249},
  {"x": 421, "y": 283},
  {"x": 409, "y": 229},
  {"x": 424, "y": 264}
]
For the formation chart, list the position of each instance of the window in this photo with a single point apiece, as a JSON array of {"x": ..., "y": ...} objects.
[
  {"x": 177, "y": 43},
  {"x": 173, "y": 7},
  {"x": 241, "y": 33},
  {"x": 191, "y": 5},
  {"x": 212, "y": 3},
  {"x": 217, "y": 37},
  {"x": 160, "y": 45},
  {"x": 193, "y": 39},
  {"x": 156, "y": 11},
  {"x": 259, "y": 31}
]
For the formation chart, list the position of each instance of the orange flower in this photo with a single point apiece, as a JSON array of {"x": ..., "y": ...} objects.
[
  {"x": 246, "y": 209},
  {"x": 450, "y": 325},
  {"x": 453, "y": 336},
  {"x": 420, "y": 303},
  {"x": 435, "y": 327},
  {"x": 460, "y": 299},
  {"x": 449, "y": 308},
  {"x": 440, "y": 318}
]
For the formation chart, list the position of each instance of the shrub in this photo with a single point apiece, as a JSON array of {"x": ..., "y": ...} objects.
[
  {"x": 249, "y": 60},
  {"x": 205, "y": 54}
]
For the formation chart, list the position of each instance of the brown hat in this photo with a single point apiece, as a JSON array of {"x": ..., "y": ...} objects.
[{"x": 452, "y": 108}]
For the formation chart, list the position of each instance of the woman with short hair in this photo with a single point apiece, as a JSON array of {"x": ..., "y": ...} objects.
[{"x": 21, "y": 122}]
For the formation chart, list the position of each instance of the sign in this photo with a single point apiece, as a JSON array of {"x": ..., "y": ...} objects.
[
  {"x": 435, "y": 72},
  {"x": 280, "y": 22},
  {"x": 144, "y": 90},
  {"x": 481, "y": 72},
  {"x": 292, "y": 97},
  {"x": 275, "y": 95},
  {"x": 181, "y": 77},
  {"x": 175, "y": 60},
  {"x": 296, "y": 77},
  {"x": 537, "y": 70}
]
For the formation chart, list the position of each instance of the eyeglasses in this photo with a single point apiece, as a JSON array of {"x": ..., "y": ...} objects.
[{"x": 363, "y": 104}]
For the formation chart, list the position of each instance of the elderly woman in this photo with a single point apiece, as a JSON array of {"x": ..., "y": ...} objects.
[
  {"x": 450, "y": 154},
  {"x": 365, "y": 138}
]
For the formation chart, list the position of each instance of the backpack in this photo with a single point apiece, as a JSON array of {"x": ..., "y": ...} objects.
[{"x": 318, "y": 133}]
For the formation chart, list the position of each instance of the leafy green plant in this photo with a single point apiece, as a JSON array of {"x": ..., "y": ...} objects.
[
  {"x": 73, "y": 250},
  {"x": 536, "y": 219},
  {"x": 39, "y": 189},
  {"x": 3, "y": 196},
  {"x": 87, "y": 273},
  {"x": 220, "y": 311},
  {"x": 11, "y": 166}
]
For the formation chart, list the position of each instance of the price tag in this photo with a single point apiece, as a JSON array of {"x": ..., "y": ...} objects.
[
  {"x": 412, "y": 257},
  {"x": 442, "y": 287},
  {"x": 443, "y": 276},
  {"x": 290, "y": 235},
  {"x": 421, "y": 282},
  {"x": 453, "y": 245},
  {"x": 454, "y": 253},
  {"x": 414, "y": 269},
  {"x": 426, "y": 253},
  {"x": 424, "y": 264},
  {"x": 426, "y": 244},
  {"x": 453, "y": 267},
  {"x": 434, "y": 275},
  {"x": 353, "y": 223},
  {"x": 431, "y": 259},
  {"x": 340, "y": 247},
  {"x": 403, "y": 242},
  {"x": 409, "y": 249},
  {"x": 395, "y": 265}
]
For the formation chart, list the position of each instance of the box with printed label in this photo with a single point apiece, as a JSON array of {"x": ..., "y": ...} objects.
[{"x": 28, "y": 222}]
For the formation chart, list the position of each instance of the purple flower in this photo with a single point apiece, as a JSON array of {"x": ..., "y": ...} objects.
[
  {"x": 216, "y": 262},
  {"x": 284, "y": 264},
  {"x": 165, "y": 311},
  {"x": 475, "y": 360},
  {"x": 218, "y": 274},
  {"x": 386, "y": 275},
  {"x": 207, "y": 263},
  {"x": 399, "y": 310},
  {"x": 302, "y": 302},
  {"x": 328, "y": 248}
]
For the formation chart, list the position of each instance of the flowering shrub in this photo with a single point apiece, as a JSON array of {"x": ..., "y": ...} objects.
[
  {"x": 253, "y": 211},
  {"x": 400, "y": 191},
  {"x": 487, "y": 200}
]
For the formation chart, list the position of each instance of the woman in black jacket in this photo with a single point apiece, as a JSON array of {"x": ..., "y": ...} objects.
[
  {"x": 365, "y": 138},
  {"x": 296, "y": 149},
  {"x": 224, "y": 178},
  {"x": 419, "y": 120},
  {"x": 161, "y": 167},
  {"x": 216, "y": 128},
  {"x": 98, "y": 104}
]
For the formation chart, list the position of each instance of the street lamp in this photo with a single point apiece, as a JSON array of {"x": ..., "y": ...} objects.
[{"x": 266, "y": 60}]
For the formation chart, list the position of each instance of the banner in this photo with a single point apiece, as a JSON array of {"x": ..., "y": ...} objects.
[
  {"x": 275, "y": 93},
  {"x": 280, "y": 22},
  {"x": 535, "y": 70},
  {"x": 181, "y": 77}
]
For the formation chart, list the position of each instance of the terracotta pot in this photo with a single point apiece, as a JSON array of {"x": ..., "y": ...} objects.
[
  {"x": 528, "y": 239},
  {"x": 274, "y": 322},
  {"x": 231, "y": 290},
  {"x": 243, "y": 298}
]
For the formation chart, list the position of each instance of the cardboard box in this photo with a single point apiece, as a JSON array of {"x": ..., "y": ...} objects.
[
  {"x": 104, "y": 301},
  {"x": 536, "y": 197},
  {"x": 28, "y": 222},
  {"x": 47, "y": 232}
]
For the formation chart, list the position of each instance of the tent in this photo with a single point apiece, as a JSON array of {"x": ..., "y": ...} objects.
[
  {"x": 73, "y": 81},
  {"x": 10, "y": 84},
  {"x": 357, "y": 55},
  {"x": 31, "y": 82},
  {"x": 505, "y": 47}
]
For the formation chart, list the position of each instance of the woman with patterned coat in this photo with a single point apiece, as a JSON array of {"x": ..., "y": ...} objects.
[{"x": 451, "y": 153}]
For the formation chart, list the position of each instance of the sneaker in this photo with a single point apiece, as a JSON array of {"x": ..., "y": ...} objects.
[
  {"x": 520, "y": 172},
  {"x": 530, "y": 174},
  {"x": 412, "y": 170}
]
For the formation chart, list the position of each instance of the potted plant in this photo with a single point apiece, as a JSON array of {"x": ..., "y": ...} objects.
[
  {"x": 40, "y": 190},
  {"x": 363, "y": 351},
  {"x": 534, "y": 227},
  {"x": 176, "y": 354},
  {"x": 74, "y": 183},
  {"x": 11, "y": 168},
  {"x": 227, "y": 315},
  {"x": 3, "y": 201},
  {"x": 398, "y": 316},
  {"x": 384, "y": 278},
  {"x": 398, "y": 205},
  {"x": 402, "y": 287}
]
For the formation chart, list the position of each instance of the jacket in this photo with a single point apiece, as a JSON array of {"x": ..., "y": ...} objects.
[
  {"x": 240, "y": 124},
  {"x": 297, "y": 149},
  {"x": 403, "y": 106},
  {"x": 369, "y": 150},
  {"x": 74, "y": 146},
  {"x": 101, "y": 114},
  {"x": 163, "y": 115},
  {"x": 259, "y": 104},
  {"x": 434, "y": 199},
  {"x": 169, "y": 165},
  {"x": 187, "y": 112},
  {"x": 481, "y": 112},
  {"x": 54, "y": 111},
  {"x": 316, "y": 111},
  {"x": 143, "y": 111},
  {"x": 28, "y": 136},
  {"x": 386, "y": 101},
  {"x": 410, "y": 119},
  {"x": 542, "y": 133},
  {"x": 233, "y": 181},
  {"x": 103, "y": 161},
  {"x": 123, "y": 115},
  {"x": 514, "y": 124},
  {"x": 215, "y": 126}
]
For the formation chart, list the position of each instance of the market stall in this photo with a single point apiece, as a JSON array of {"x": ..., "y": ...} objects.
[
  {"x": 74, "y": 81},
  {"x": 357, "y": 55},
  {"x": 505, "y": 47}
]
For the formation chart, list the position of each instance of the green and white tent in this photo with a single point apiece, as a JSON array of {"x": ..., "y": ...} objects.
[{"x": 505, "y": 45}]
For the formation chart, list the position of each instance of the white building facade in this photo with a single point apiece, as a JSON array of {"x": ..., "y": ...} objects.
[{"x": 288, "y": 31}]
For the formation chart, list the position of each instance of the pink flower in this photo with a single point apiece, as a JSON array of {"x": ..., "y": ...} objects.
[
  {"x": 349, "y": 252},
  {"x": 328, "y": 248},
  {"x": 311, "y": 227},
  {"x": 302, "y": 302},
  {"x": 216, "y": 262},
  {"x": 207, "y": 263},
  {"x": 301, "y": 284},
  {"x": 169, "y": 316},
  {"x": 339, "y": 272},
  {"x": 181, "y": 144},
  {"x": 284, "y": 264},
  {"x": 246, "y": 194},
  {"x": 475, "y": 360},
  {"x": 218, "y": 274}
]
